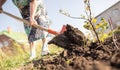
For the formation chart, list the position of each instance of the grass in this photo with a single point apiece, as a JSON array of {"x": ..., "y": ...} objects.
[
  {"x": 21, "y": 57},
  {"x": 12, "y": 61}
]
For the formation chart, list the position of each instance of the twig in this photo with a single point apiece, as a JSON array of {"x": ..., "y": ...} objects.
[
  {"x": 90, "y": 20},
  {"x": 113, "y": 36}
]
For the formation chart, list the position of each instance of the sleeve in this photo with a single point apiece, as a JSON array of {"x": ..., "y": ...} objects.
[{"x": 31, "y": 0}]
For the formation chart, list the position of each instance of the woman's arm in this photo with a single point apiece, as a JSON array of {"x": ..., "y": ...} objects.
[
  {"x": 33, "y": 7},
  {"x": 1, "y": 4}
]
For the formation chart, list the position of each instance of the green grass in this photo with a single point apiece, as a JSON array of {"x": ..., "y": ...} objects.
[
  {"x": 7, "y": 62},
  {"x": 12, "y": 62},
  {"x": 21, "y": 59}
]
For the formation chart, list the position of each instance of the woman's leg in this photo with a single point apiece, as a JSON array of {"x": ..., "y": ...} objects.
[
  {"x": 45, "y": 49},
  {"x": 32, "y": 50}
]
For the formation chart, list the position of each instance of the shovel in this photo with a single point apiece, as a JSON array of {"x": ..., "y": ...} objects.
[{"x": 35, "y": 25}]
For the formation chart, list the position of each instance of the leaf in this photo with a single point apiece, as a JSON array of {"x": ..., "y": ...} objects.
[
  {"x": 97, "y": 26},
  {"x": 94, "y": 20},
  {"x": 83, "y": 17},
  {"x": 64, "y": 12},
  {"x": 87, "y": 26},
  {"x": 103, "y": 37},
  {"x": 100, "y": 24},
  {"x": 87, "y": 8},
  {"x": 68, "y": 61},
  {"x": 85, "y": 1},
  {"x": 60, "y": 10},
  {"x": 104, "y": 27},
  {"x": 105, "y": 24}
]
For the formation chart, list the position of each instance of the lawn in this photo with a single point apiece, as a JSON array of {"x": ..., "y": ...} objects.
[{"x": 21, "y": 57}]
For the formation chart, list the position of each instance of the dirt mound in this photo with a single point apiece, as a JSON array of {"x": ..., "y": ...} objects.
[
  {"x": 77, "y": 56},
  {"x": 71, "y": 37}
]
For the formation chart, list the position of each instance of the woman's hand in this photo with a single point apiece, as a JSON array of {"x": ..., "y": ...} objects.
[{"x": 33, "y": 22}]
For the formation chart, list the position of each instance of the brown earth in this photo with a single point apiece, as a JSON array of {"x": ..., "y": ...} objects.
[{"x": 79, "y": 56}]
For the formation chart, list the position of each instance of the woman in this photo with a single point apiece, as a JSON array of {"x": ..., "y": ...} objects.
[{"x": 35, "y": 12}]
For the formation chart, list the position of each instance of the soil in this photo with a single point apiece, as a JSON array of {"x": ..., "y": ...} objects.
[{"x": 80, "y": 55}]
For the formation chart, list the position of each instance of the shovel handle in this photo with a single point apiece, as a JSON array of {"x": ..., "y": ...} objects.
[
  {"x": 27, "y": 23},
  {"x": 52, "y": 32},
  {"x": 15, "y": 17}
]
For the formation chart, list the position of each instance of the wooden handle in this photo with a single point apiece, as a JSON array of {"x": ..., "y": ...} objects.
[{"x": 27, "y": 23}]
